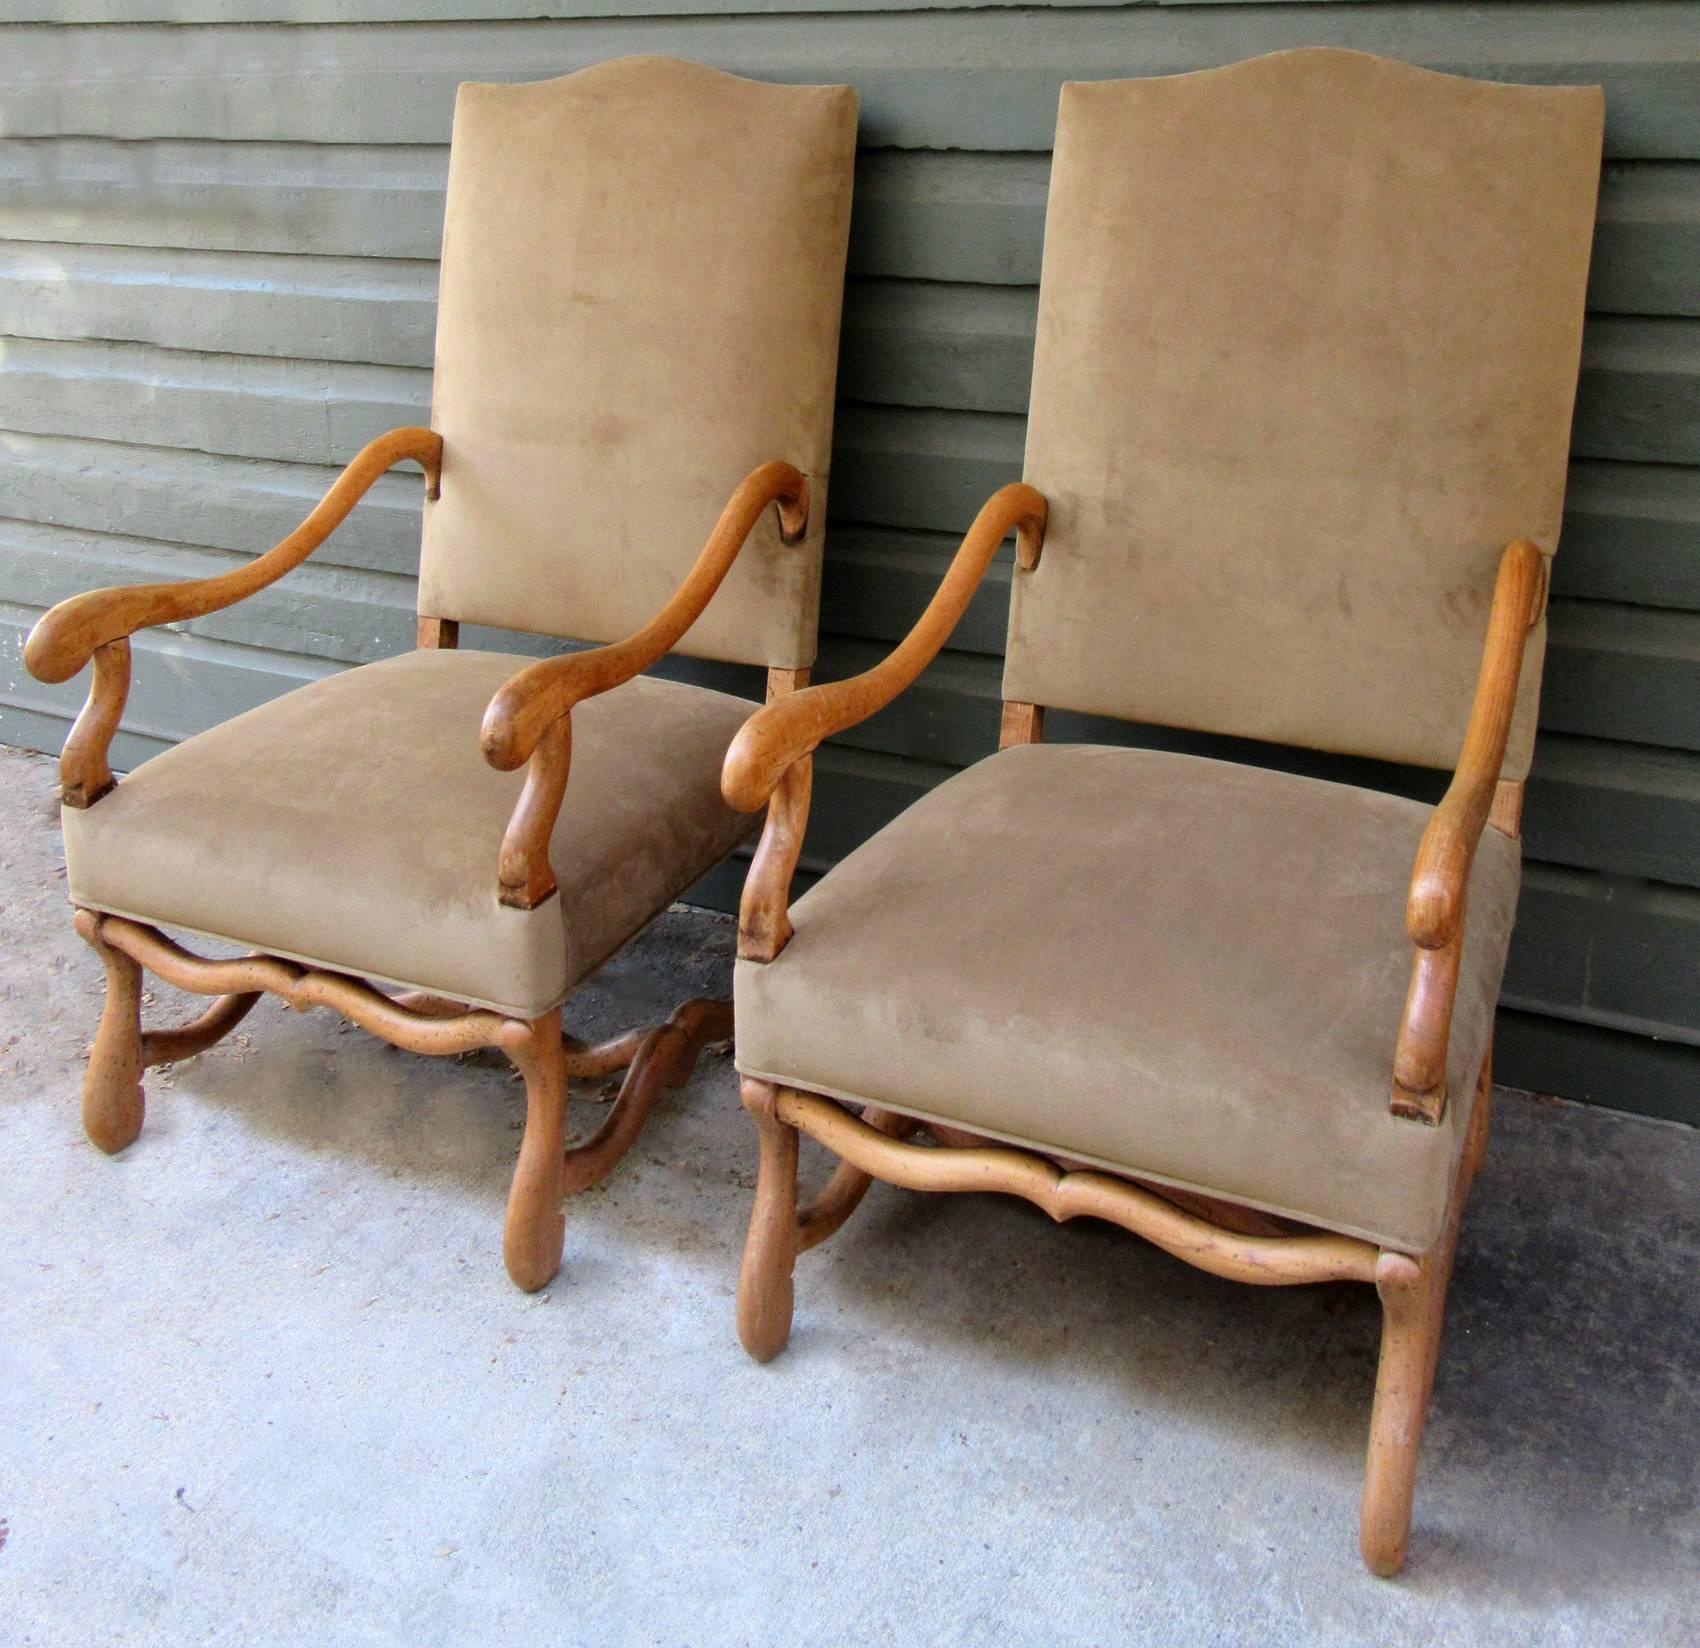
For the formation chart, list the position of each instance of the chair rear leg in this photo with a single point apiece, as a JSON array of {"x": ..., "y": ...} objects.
[
  {"x": 1476, "y": 1140},
  {"x": 112, "y": 1084},
  {"x": 536, "y": 1229},
  {"x": 770, "y": 1251}
]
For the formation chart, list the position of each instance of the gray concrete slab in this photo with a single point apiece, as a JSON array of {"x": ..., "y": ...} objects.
[{"x": 262, "y": 1379}]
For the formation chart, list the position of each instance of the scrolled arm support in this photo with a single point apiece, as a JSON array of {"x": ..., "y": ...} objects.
[
  {"x": 529, "y": 719},
  {"x": 99, "y": 625},
  {"x": 771, "y": 759},
  {"x": 85, "y": 773},
  {"x": 1440, "y": 878}
]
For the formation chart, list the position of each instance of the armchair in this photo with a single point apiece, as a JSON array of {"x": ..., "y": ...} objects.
[
  {"x": 1285, "y": 424},
  {"x": 370, "y": 835}
]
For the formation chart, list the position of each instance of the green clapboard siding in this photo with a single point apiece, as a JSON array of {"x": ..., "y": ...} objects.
[{"x": 219, "y": 223}]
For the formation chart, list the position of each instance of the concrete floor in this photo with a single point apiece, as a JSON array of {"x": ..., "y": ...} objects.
[{"x": 262, "y": 1379}]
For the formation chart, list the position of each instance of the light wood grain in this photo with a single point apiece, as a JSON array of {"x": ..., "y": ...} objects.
[
  {"x": 535, "y": 1229},
  {"x": 524, "y": 875},
  {"x": 766, "y": 1292},
  {"x": 1021, "y": 724},
  {"x": 85, "y": 774},
  {"x": 442, "y": 634},
  {"x": 764, "y": 926},
  {"x": 1506, "y": 814},
  {"x": 1425, "y": 1033},
  {"x": 113, "y": 1105},
  {"x": 781, "y": 682},
  {"x": 1413, "y": 1311}
]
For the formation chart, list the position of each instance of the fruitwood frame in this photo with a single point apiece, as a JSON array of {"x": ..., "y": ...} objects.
[
  {"x": 769, "y": 763},
  {"x": 528, "y": 721}
]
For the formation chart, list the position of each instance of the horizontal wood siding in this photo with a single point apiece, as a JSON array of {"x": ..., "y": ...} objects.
[{"x": 218, "y": 230}]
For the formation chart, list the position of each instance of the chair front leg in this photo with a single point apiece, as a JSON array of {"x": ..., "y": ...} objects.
[
  {"x": 112, "y": 1084},
  {"x": 1413, "y": 1311},
  {"x": 1413, "y": 1306},
  {"x": 535, "y": 1230},
  {"x": 770, "y": 1251}
]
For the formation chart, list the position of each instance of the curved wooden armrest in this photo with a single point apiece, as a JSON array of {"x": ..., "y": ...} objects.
[
  {"x": 1435, "y": 909},
  {"x": 542, "y": 693},
  {"x": 529, "y": 719},
  {"x": 65, "y": 638},
  {"x": 99, "y": 625},
  {"x": 777, "y": 737},
  {"x": 1440, "y": 878},
  {"x": 771, "y": 758}
]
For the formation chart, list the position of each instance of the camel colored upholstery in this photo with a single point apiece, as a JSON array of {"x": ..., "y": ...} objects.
[
  {"x": 1308, "y": 338},
  {"x": 1183, "y": 969},
  {"x": 642, "y": 274},
  {"x": 354, "y": 824}
]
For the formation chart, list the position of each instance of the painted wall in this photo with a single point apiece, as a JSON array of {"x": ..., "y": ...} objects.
[{"x": 218, "y": 220}]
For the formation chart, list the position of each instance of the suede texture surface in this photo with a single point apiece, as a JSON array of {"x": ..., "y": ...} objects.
[
  {"x": 354, "y": 824},
  {"x": 1308, "y": 339},
  {"x": 1180, "y": 968},
  {"x": 642, "y": 277}
]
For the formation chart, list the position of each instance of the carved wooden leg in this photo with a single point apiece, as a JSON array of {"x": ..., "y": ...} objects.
[
  {"x": 770, "y": 1251},
  {"x": 1413, "y": 1308},
  {"x": 535, "y": 1229},
  {"x": 112, "y": 1084},
  {"x": 1413, "y": 1311}
]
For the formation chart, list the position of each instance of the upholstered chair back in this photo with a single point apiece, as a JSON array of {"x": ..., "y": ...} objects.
[
  {"x": 642, "y": 276},
  {"x": 1308, "y": 342}
]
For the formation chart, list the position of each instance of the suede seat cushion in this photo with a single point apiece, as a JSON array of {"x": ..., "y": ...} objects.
[
  {"x": 355, "y": 824},
  {"x": 1184, "y": 969}
]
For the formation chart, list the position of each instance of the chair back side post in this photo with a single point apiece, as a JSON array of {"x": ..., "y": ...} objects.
[
  {"x": 1021, "y": 724},
  {"x": 1506, "y": 815},
  {"x": 442, "y": 634}
]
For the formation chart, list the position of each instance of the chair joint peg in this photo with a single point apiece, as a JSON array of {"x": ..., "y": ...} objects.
[
  {"x": 1427, "y": 1107},
  {"x": 79, "y": 797},
  {"x": 524, "y": 897}
]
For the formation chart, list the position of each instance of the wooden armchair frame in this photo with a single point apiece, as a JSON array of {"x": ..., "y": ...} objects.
[
  {"x": 529, "y": 720},
  {"x": 770, "y": 762}
]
